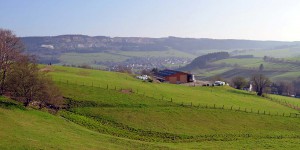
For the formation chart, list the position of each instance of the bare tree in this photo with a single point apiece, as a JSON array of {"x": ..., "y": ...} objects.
[
  {"x": 285, "y": 88},
  {"x": 260, "y": 83},
  {"x": 26, "y": 84},
  {"x": 10, "y": 49},
  {"x": 239, "y": 82}
]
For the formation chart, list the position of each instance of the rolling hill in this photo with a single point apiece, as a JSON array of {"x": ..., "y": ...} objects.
[
  {"x": 109, "y": 110},
  {"x": 111, "y": 51}
]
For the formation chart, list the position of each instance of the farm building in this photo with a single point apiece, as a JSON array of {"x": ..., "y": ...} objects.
[{"x": 173, "y": 76}]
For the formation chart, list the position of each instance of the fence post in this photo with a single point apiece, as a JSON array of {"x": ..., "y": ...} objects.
[
  {"x": 107, "y": 86},
  {"x": 223, "y": 107},
  {"x": 231, "y": 107},
  {"x": 171, "y": 100}
]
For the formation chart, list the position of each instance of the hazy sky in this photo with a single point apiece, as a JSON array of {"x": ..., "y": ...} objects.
[{"x": 230, "y": 19}]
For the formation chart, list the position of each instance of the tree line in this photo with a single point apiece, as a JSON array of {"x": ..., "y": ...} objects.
[
  {"x": 21, "y": 78},
  {"x": 262, "y": 84}
]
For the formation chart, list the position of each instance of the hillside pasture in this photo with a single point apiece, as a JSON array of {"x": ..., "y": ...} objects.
[{"x": 180, "y": 94}]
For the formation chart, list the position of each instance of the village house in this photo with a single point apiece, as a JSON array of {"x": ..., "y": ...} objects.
[{"x": 173, "y": 76}]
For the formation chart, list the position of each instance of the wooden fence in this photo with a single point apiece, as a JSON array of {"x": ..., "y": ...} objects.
[{"x": 185, "y": 104}]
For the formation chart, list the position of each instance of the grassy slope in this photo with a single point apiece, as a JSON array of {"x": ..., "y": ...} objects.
[
  {"x": 117, "y": 56},
  {"x": 166, "y": 53},
  {"x": 179, "y": 94},
  {"x": 276, "y": 71},
  {"x": 278, "y": 53},
  {"x": 39, "y": 130},
  {"x": 148, "y": 114},
  {"x": 32, "y": 129}
]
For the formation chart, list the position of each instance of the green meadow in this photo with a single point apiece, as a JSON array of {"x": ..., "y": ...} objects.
[
  {"x": 116, "y": 56},
  {"x": 109, "y": 110}
]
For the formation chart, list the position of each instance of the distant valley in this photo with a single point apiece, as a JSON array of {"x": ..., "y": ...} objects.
[{"x": 139, "y": 53}]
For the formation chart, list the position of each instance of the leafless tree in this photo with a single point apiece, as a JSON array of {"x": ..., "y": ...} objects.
[
  {"x": 28, "y": 85},
  {"x": 285, "y": 88},
  {"x": 239, "y": 82},
  {"x": 260, "y": 83},
  {"x": 10, "y": 49}
]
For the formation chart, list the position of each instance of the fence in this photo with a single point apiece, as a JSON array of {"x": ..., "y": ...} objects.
[{"x": 203, "y": 106}]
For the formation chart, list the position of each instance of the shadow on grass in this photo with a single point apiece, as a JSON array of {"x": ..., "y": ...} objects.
[
  {"x": 11, "y": 105},
  {"x": 242, "y": 92}
]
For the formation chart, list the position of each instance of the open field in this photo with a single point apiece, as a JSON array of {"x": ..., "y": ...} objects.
[
  {"x": 278, "y": 53},
  {"x": 110, "y": 110},
  {"x": 228, "y": 68},
  {"x": 239, "y": 61},
  {"x": 90, "y": 58},
  {"x": 165, "y": 53},
  {"x": 94, "y": 59},
  {"x": 33, "y": 129},
  {"x": 178, "y": 93}
]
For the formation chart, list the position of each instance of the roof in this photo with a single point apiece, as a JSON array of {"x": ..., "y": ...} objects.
[{"x": 165, "y": 73}]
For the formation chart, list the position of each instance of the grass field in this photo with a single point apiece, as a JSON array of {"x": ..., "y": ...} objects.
[
  {"x": 278, "y": 53},
  {"x": 165, "y": 53},
  {"x": 179, "y": 94},
  {"x": 238, "y": 61},
  {"x": 33, "y": 129},
  {"x": 116, "y": 56},
  {"x": 111, "y": 110},
  {"x": 245, "y": 67}
]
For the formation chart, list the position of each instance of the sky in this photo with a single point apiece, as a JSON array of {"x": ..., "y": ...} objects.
[{"x": 219, "y": 19}]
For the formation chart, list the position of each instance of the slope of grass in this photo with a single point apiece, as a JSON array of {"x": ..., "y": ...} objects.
[
  {"x": 241, "y": 62},
  {"x": 116, "y": 56},
  {"x": 117, "y": 111},
  {"x": 278, "y": 53},
  {"x": 32, "y": 129},
  {"x": 90, "y": 58},
  {"x": 179, "y": 94},
  {"x": 165, "y": 53}
]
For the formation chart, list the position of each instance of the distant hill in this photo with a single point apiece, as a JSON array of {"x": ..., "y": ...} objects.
[
  {"x": 203, "y": 61},
  {"x": 83, "y": 44}
]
